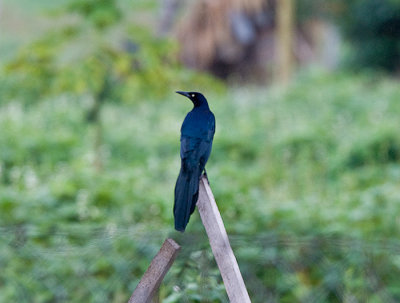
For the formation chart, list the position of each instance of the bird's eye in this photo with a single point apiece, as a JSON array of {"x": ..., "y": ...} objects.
[{"x": 192, "y": 95}]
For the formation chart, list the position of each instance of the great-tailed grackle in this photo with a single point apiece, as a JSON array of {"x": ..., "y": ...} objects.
[{"x": 197, "y": 134}]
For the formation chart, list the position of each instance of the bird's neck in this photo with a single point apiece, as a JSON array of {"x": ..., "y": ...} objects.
[{"x": 201, "y": 106}]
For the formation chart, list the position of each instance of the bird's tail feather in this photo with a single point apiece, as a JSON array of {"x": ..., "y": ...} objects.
[{"x": 186, "y": 195}]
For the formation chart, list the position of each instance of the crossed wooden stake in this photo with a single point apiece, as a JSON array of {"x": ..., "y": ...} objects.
[{"x": 221, "y": 248}]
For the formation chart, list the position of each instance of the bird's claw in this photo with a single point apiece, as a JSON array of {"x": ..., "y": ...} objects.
[{"x": 205, "y": 175}]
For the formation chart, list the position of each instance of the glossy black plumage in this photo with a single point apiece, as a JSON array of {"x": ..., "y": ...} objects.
[{"x": 197, "y": 135}]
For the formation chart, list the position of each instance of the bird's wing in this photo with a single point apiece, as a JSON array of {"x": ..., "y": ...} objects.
[
  {"x": 189, "y": 146},
  {"x": 211, "y": 127}
]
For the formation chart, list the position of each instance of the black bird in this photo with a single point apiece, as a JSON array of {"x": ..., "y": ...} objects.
[{"x": 197, "y": 133}]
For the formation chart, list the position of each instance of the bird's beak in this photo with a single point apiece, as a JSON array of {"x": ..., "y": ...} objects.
[{"x": 183, "y": 94}]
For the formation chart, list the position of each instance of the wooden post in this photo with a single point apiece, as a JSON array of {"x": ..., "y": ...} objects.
[
  {"x": 220, "y": 245},
  {"x": 284, "y": 40},
  {"x": 152, "y": 278}
]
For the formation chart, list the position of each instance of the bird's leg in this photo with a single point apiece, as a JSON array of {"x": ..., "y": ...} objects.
[{"x": 205, "y": 175}]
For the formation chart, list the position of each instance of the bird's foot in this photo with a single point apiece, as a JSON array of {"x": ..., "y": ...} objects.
[{"x": 205, "y": 175}]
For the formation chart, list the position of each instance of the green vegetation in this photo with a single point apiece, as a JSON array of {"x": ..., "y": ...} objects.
[
  {"x": 374, "y": 29},
  {"x": 306, "y": 178},
  {"x": 371, "y": 28}
]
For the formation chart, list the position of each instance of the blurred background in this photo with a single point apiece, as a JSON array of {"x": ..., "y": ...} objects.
[{"x": 305, "y": 165}]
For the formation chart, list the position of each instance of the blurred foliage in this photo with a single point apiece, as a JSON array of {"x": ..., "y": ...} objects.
[
  {"x": 371, "y": 27},
  {"x": 101, "y": 13},
  {"x": 98, "y": 57},
  {"x": 101, "y": 46},
  {"x": 306, "y": 179}
]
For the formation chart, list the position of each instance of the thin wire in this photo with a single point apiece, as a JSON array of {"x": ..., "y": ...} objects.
[{"x": 66, "y": 245}]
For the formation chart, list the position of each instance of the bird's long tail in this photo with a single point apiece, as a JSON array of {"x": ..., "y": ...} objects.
[{"x": 186, "y": 195}]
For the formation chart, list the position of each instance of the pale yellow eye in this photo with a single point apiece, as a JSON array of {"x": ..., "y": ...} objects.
[{"x": 192, "y": 95}]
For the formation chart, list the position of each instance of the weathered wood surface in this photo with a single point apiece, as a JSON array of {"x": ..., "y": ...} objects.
[
  {"x": 220, "y": 245},
  {"x": 284, "y": 46},
  {"x": 154, "y": 275}
]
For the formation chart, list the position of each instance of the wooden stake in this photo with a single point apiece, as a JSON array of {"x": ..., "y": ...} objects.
[
  {"x": 220, "y": 245},
  {"x": 284, "y": 40},
  {"x": 152, "y": 278}
]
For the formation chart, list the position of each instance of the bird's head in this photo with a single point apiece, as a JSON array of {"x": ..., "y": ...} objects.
[{"x": 197, "y": 98}]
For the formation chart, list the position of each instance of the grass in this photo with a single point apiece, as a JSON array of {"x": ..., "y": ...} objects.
[{"x": 306, "y": 179}]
